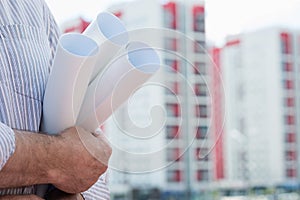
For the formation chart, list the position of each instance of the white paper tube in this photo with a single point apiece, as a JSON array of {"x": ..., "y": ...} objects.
[
  {"x": 117, "y": 83},
  {"x": 73, "y": 64},
  {"x": 110, "y": 34}
]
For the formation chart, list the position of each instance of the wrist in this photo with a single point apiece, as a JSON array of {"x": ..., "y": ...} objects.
[
  {"x": 44, "y": 153},
  {"x": 53, "y": 148}
]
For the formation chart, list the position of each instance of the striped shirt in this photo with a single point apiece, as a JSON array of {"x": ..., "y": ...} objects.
[{"x": 28, "y": 39}]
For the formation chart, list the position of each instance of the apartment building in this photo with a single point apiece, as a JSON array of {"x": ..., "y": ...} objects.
[{"x": 258, "y": 94}]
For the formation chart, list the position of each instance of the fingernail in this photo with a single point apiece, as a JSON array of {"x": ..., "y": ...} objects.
[{"x": 97, "y": 132}]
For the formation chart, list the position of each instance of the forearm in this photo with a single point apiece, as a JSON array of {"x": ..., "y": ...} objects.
[
  {"x": 29, "y": 163},
  {"x": 20, "y": 197},
  {"x": 59, "y": 160}
]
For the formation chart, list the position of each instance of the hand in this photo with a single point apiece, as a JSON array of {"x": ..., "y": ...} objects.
[
  {"x": 60, "y": 195},
  {"x": 71, "y": 161},
  {"x": 20, "y": 197},
  {"x": 80, "y": 161}
]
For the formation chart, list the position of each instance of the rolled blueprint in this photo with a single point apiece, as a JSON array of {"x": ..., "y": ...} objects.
[
  {"x": 72, "y": 68},
  {"x": 117, "y": 83},
  {"x": 110, "y": 34}
]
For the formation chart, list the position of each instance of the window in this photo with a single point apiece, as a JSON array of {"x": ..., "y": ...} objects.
[
  {"x": 291, "y": 173},
  {"x": 173, "y": 89},
  {"x": 201, "y": 111},
  {"x": 172, "y": 132},
  {"x": 290, "y": 102},
  {"x": 291, "y": 138},
  {"x": 200, "y": 89},
  {"x": 290, "y": 119},
  {"x": 197, "y": 153},
  {"x": 201, "y": 154},
  {"x": 287, "y": 67},
  {"x": 173, "y": 110},
  {"x": 174, "y": 154},
  {"x": 172, "y": 65},
  {"x": 201, "y": 132},
  {"x": 198, "y": 19},
  {"x": 199, "y": 68},
  {"x": 199, "y": 46},
  {"x": 288, "y": 84},
  {"x": 290, "y": 155},
  {"x": 286, "y": 43},
  {"x": 202, "y": 175},
  {"x": 174, "y": 176},
  {"x": 170, "y": 11},
  {"x": 171, "y": 44}
]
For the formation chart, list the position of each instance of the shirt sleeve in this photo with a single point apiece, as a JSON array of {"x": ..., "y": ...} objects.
[
  {"x": 7, "y": 144},
  {"x": 99, "y": 191}
]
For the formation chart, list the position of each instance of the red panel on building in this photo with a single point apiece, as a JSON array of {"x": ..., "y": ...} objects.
[
  {"x": 79, "y": 27},
  {"x": 197, "y": 90},
  {"x": 290, "y": 102},
  {"x": 291, "y": 173},
  {"x": 198, "y": 18},
  {"x": 289, "y": 84},
  {"x": 171, "y": 15},
  {"x": 174, "y": 109},
  {"x": 173, "y": 132},
  {"x": 288, "y": 67},
  {"x": 217, "y": 114},
  {"x": 286, "y": 41},
  {"x": 232, "y": 43},
  {"x": 177, "y": 154},
  {"x": 291, "y": 138},
  {"x": 198, "y": 153},
  {"x": 175, "y": 65},
  {"x": 201, "y": 111},
  {"x": 178, "y": 176},
  {"x": 290, "y": 119},
  {"x": 118, "y": 14},
  {"x": 199, "y": 175},
  {"x": 291, "y": 155}
]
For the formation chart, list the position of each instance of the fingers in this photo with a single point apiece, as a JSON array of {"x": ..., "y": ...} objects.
[{"x": 96, "y": 144}]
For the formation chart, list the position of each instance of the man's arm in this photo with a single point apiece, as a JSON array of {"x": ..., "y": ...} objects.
[
  {"x": 28, "y": 164},
  {"x": 75, "y": 156},
  {"x": 7, "y": 143},
  {"x": 20, "y": 197}
]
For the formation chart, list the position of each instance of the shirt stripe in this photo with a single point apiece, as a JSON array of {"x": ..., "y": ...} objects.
[{"x": 99, "y": 191}]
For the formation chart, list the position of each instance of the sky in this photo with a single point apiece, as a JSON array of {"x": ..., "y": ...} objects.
[{"x": 223, "y": 17}]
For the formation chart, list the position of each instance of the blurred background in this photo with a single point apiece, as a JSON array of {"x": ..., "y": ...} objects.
[{"x": 228, "y": 94}]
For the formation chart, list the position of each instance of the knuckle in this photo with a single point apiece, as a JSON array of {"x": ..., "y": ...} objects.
[
  {"x": 73, "y": 128},
  {"x": 103, "y": 169},
  {"x": 100, "y": 170}
]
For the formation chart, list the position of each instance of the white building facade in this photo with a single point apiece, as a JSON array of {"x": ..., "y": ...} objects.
[
  {"x": 260, "y": 72},
  {"x": 182, "y": 102}
]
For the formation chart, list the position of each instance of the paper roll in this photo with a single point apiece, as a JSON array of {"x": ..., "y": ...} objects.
[
  {"x": 110, "y": 34},
  {"x": 72, "y": 68},
  {"x": 117, "y": 83}
]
